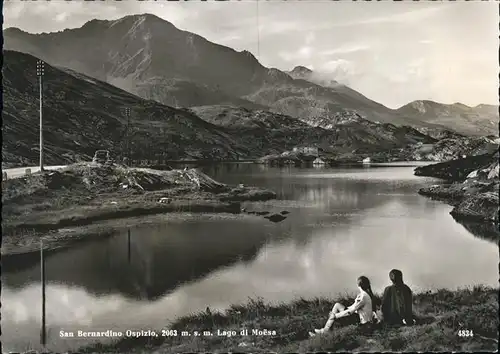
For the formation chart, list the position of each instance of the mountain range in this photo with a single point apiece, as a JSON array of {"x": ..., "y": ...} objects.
[
  {"x": 83, "y": 114},
  {"x": 483, "y": 118},
  {"x": 151, "y": 58},
  {"x": 479, "y": 120}
]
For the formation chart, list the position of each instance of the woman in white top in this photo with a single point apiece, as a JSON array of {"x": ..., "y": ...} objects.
[{"x": 364, "y": 306}]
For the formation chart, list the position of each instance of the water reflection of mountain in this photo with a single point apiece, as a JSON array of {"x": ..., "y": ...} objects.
[
  {"x": 165, "y": 256},
  {"x": 159, "y": 259}
]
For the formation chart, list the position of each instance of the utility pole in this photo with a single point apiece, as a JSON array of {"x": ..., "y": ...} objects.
[
  {"x": 40, "y": 73},
  {"x": 42, "y": 276},
  {"x": 127, "y": 148}
]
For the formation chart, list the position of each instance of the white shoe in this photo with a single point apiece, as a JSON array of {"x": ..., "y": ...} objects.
[
  {"x": 311, "y": 334},
  {"x": 319, "y": 331}
]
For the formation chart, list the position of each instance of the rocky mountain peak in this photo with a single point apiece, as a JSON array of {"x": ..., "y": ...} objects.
[
  {"x": 460, "y": 105},
  {"x": 95, "y": 22},
  {"x": 145, "y": 17},
  {"x": 485, "y": 106},
  {"x": 247, "y": 53},
  {"x": 301, "y": 70},
  {"x": 418, "y": 105},
  {"x": 13, "y": 30}
]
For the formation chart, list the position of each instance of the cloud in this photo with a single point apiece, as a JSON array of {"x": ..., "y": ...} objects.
[
  {"x": 304, "y": 52},
  {"x": 276, "y": 27},
  {"x": 32, "y": 16},
  {"x": 407, "y": 17},
  {"x": 338, "y": 65},
  {"x": 310, "y": 38},
  {"x": 61, "y": 17},
  {"x": 417, "y": 67},
  {"x": 341, "y": 70}
]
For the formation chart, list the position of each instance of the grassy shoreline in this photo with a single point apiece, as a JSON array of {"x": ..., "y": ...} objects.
[
  {"x": 45, "y": 204},
  {"x": 442, "y": 313}
]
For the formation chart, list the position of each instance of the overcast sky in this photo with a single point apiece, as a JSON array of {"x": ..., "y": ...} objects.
[{"x": 391, "y": 52}]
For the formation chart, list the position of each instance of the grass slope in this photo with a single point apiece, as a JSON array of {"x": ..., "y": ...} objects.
[
  {"x": 442, "y": 314},
  {"x": 82, "y": 194}
]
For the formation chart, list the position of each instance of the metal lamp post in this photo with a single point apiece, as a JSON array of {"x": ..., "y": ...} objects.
[{"x": 40, "y": 73}]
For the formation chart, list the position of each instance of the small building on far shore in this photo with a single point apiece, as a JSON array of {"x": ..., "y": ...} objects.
[{"x": 306, "y": 150}]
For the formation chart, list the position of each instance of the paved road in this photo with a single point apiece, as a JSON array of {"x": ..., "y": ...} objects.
[{"x": 20, "y": 171}]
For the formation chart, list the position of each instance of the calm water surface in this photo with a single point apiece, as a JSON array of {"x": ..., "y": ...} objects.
[{"x": 342, "y": 223}]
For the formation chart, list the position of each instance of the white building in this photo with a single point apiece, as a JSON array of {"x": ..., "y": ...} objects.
[{"x": 318, "y": 161}]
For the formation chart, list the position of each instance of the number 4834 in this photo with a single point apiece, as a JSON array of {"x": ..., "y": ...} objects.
[{"x": 465, "y": 333}]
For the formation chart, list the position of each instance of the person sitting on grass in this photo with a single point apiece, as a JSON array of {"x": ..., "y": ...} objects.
[
  {"x": 364, "y": 305},
  {"x": 397, "y": 303}
]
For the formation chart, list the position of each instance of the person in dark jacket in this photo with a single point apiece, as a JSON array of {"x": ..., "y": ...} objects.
[{"x": 397, "y": 301}]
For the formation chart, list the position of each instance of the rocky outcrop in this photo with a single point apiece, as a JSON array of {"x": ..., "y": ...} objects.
[
  {"x": 472, "y": 201},
  {"x": 475, "y": 197},
  {"x": 479, "y": 207},
  {"x": 456, "y": 170},
  {"x": 451, "y": 148},
  {"x": 247, "y": 194},
  {"x": 287, "y": 158}
]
